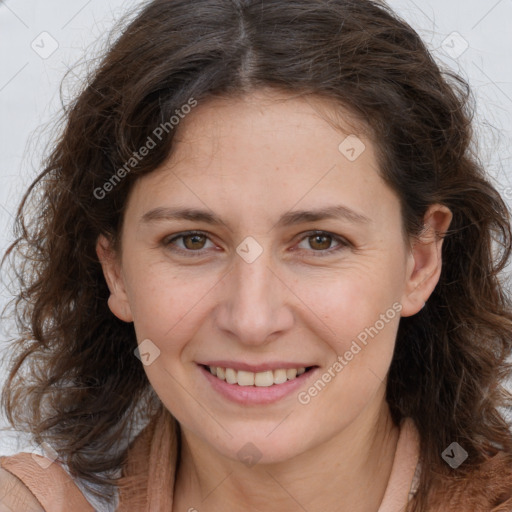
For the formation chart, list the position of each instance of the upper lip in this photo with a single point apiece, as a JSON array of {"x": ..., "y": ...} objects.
[{"x": 255, "y": 368}]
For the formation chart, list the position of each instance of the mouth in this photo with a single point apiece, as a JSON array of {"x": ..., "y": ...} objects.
[
  {"x": 260, "y": 379},
  {"x": 262, "y": 387}
]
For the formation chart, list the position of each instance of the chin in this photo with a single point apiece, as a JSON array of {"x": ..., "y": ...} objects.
[{"x": 254, "y": 449}]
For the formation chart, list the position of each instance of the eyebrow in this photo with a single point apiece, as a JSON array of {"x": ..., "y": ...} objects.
[{"x": 288, "y": 219}]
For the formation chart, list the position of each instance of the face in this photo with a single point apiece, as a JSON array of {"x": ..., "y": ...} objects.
[{"x": 251, "y": 285}]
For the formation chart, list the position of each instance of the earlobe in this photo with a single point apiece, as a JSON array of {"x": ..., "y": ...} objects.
[
  {"x": 425, "y": 260},
  {"x": 118, "y": 300}
]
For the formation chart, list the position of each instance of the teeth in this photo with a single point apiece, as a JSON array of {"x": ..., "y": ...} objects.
[
  {"x": 263, "y": 379},
  {"x": 258, "y": 379},
  {"x": 279, "y": 376},
  {"x": 244, "y": 378},
  {"x": 231, "y": 376},
  {"x": 291, "y": 373}
]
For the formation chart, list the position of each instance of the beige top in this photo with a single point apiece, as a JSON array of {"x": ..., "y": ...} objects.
[{"x": 148, "y": 479}]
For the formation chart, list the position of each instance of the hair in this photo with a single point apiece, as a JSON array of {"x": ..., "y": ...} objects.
[{"x": 74, "y": 380}]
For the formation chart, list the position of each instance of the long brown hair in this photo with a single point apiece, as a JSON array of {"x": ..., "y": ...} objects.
[{"x": 82, "y": 385}]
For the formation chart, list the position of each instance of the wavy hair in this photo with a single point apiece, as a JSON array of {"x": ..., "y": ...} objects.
[{"x": 74, "y": 381}]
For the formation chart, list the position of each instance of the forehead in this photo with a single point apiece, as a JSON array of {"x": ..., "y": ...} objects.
[{"x": 265, "y": 153}]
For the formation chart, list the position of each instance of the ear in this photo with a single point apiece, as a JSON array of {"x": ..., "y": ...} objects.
[
  {"x": 425, "y": 260},
  {"x": 118, "y": 300}
]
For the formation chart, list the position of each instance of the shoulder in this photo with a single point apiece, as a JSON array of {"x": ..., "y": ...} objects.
[
  {"x": 488, "y": 488},
  {"x": 40, "y": 484},
  {"x": 15, "y": 495},
  {"x": 494, "y": 481}
]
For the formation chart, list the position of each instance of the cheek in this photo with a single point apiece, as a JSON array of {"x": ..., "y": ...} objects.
[
  {"x": 360, "y": 314},
  {"x": 350, "y": 299},
  {"x": 166, "y": 308},
  {"x": 164, "y": 303},
  {"x": 363, "y": 321}
]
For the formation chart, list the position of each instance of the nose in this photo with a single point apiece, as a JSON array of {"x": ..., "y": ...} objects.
[{"x": 255, "y": 302}]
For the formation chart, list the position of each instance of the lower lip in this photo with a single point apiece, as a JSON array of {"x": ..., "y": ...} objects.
[{"x": 254, "y": 395}]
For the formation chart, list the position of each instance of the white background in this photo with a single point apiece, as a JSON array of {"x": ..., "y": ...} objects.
[{"x": 29, "y": 83}]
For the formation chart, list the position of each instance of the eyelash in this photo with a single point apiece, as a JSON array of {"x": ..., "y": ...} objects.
[{"x": 343, "y": 244}]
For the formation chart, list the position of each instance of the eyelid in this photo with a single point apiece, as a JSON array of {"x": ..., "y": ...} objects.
[
  {"x": 167, "y": 241},
  {"x": 343, "y": 243}
]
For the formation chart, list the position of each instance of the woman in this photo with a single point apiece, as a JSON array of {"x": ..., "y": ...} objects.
[{"x": 260, "y": 275}]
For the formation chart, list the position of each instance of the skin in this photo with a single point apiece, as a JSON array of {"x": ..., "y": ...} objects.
[{"x": 250, "y": 160}]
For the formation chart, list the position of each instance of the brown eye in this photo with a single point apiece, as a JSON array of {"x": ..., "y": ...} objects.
[
  {"x": 320, "y": 242},
  {"x": 194, "y": 241}
]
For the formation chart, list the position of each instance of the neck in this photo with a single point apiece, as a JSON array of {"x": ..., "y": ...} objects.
[{"x": 348, "y": 473}]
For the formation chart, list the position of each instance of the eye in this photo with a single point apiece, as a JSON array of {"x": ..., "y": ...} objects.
[
  {"x": 320, "y": 242},
  {"x": 193, "y": 242}
]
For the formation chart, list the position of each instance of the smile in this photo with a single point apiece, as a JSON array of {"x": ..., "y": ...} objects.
[
  {"x": 261, "y": 387},
  {"x": 258, "y": 379}
]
